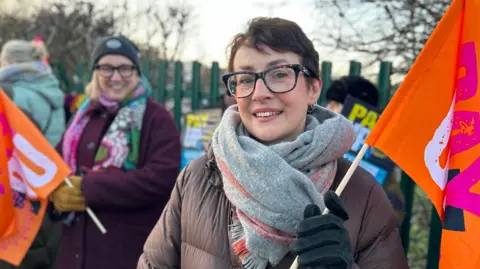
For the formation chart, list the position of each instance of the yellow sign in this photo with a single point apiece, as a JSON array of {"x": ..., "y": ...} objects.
[
  {"x": 363, "y": 115},
  {"x": 196, "y": 120}
]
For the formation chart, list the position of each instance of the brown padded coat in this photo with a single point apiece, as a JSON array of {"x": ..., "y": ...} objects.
[{"x": 192, "y": 232}]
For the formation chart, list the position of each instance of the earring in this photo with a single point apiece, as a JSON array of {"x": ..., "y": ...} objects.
[{"x": 311, "y": 108}]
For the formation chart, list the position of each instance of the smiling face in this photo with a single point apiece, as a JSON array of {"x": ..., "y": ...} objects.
[
  {"x": 117, "y": 76},
  {"x": 274, "y": 117}
]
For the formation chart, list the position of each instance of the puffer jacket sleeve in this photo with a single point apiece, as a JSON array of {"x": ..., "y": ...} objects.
[
  {"x": 380, "y": 246},
  {"x": 162, "y": 248}
]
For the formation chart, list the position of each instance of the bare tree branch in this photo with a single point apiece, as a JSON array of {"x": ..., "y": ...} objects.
[
  {"x": 165, "y": 27},
  {"x": 382, "y": 29},
  {"x": 72, "y": 28}
]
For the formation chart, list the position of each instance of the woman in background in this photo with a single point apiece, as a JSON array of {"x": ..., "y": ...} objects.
[
  {"x": 33, "y": 87},
  {"x": 124, "y": 149},
  {"x": 29, "y": 81}
]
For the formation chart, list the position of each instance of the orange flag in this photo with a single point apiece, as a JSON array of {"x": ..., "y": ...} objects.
[
  {"x": 30, "y": 170},
  {"x": 431, "y": 129},
  {"x": 7, "y": 220}
]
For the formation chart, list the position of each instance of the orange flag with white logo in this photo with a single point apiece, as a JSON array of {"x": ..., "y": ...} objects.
[
  {"x": 30, "y": 169},
  {"x": 431, "y": 129}
]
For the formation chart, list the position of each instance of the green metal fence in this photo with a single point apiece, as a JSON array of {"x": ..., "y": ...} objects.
[
  {"x": 157, "y": 73},
  {"x": 166, "y": 89}
]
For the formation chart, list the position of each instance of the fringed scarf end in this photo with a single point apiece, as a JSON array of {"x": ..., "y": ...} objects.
[
  {"x": 249, "y": 261},
  {"x": 252, "y": 262}
]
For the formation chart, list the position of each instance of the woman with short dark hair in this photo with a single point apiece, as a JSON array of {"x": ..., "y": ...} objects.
[{"x": 254, "y": 201}]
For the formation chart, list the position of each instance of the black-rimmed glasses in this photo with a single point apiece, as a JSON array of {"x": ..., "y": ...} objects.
[
  {"x": 278, "y": 79},
  {"x": 107, "y": 71}
]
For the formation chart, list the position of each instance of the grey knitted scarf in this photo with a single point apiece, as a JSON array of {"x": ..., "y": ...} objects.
[{"x": 271, "y": 185}]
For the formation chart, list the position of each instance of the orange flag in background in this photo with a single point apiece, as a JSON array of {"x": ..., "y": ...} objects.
[
  {"x": 30, "y": 169},
  {"x": 431, "y": 129},
  {"x": 7, "y": 216}
]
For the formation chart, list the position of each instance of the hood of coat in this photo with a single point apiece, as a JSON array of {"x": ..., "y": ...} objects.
[{"x": 35, "y": 77}]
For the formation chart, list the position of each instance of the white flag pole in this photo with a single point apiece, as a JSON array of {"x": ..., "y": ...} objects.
[{"x": 90, "y": 212}]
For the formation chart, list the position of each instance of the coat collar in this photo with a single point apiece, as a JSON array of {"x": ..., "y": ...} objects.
[{"x": 213, "y": 172}]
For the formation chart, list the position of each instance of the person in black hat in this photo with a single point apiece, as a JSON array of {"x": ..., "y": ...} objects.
[
  {"x": 355, "y": 86},
  {"x": 124, "y": 149},
  {"x": 117, "y": 45},
  {"x": 115, "y": 53},
  {"x": 364, "y": 90}
]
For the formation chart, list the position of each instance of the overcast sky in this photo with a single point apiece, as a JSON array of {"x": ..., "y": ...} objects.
[{"x": 219, "y": 20}]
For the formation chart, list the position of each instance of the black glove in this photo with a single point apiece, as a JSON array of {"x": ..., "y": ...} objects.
[{"x": 323, "y": 241}]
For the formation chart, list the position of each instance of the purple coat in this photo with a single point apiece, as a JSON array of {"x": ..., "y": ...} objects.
[{"x": 128, "y": 203}]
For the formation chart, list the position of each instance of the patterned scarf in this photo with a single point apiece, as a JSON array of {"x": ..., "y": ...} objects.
[
  {"x": 120, "y": 144},
  {"x": 271, "y": 185}
]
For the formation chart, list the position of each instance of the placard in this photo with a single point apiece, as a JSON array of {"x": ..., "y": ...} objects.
[
  {"x": 364, "y": 116},
  {"x": 198, "y": 130}
]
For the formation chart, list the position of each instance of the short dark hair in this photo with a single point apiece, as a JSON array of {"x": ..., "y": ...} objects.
[
  {"x": 355, "y": 86},
  {"x": 279, "y": 35}
]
